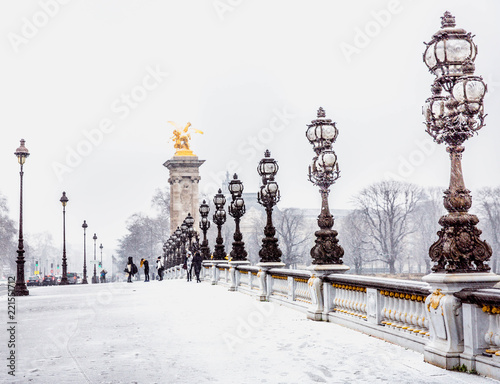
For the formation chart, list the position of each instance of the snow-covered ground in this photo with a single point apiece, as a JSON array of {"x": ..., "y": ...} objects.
[{"x": 179, "y": 332}]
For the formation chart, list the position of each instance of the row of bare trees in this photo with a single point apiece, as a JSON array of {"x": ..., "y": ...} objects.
[{"x": 395, "y": 223}]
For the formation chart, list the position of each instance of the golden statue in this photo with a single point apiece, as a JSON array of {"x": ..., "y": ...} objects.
[{"x": 181, "y": 139}]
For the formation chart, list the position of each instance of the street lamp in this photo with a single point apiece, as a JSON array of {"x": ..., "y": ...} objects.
[
  {"x": 184, "y": 239},
  {"x": 237, "y": 210},
  {"x": 204, "y": 226},
  {"x": 323, "y": 172},
  {"x": 84, "y": 226},
  {"x": 178, "y": 243},
  {"x": 268, "y": 196},
  {"x": 452, "y": 117},
  {"x": 64, "y": 280},
  {"x": 101, "y": 247},
  {"x": 189, "y": 220},
  {"x": 94, "y": 278},
  {"x": 20, "y": 289},
  {"x": 219, "y": 219}
]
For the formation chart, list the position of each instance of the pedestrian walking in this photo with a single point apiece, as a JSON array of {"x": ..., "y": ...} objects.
[
  {"x": 160, "y": 267},
  {"x": 131, "y": 269},
  {"x": 145, "y": 264},
  {"x": 189, "y": 265},
  {"x": 197, "y": 259}
]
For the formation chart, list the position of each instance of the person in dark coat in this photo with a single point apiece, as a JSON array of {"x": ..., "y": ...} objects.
[
  {"x": 145, "y": 264},
  {"x": 197, "y": 265},
  {"x": 160, "y": 267},
  {"x": 129, "y": 269}
]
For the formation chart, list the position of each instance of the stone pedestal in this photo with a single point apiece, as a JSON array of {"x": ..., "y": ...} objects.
[
  {"x": 183, "y": 180},
  {"x": 445, "y": 314},
  {"x": 264, "y": 292},
  {"x": 320, "y": 294},
  {"x": 232, "y": 273}
]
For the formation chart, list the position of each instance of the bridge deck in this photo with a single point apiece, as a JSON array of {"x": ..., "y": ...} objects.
[{"x": 179, "y": 332}]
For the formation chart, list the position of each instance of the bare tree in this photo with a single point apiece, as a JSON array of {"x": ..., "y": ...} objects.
[
  {"x": 489, "y": 209},
  {"x": 426, "y": 220},
  {"x": 8, "y": 244},
  {"x": 292, "y": 235},
  {"x": 387, "y": 208},
  {"x": 354, "y": 238}
]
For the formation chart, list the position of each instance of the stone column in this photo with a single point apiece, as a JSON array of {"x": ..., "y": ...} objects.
[{"x": 183, "y": 180}]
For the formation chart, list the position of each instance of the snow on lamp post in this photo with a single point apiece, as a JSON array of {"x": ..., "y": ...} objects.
[
  {"x": 453, "y": 114},
  {"x": 219, "y": 218},
  {"x": 64, "y": 280},
  {"x": 204, "y": 226},
  {"x": 20, "y": 289},
  {"x": 84, "y": 226},
  {"x": 237, "y": 210},
  {"x": 94, "y": 278},
  {"x": 268, "y": 196},
  {"x": 323, "y": 172}
]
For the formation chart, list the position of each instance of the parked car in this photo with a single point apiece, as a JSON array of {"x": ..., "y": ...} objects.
[
  {"x": 58, "y": 280},
  {"x": 49, "y": 280},
  {"x": 33, "y": 281},
  {"x": 73, "y": 278}
]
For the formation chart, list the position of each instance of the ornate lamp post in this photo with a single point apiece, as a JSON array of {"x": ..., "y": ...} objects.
[
  {"x": 101, "y": 247},
  {"x": 94, "y": 278},
  {"x": 237, "y": 210},
  {"x": 453, "y": 114},
  {"x": 204, "y": 226},
  {"x": 20, "y": 289},
  {"x": 64, "y": 280},
  {"x": 219, "y": 219},
  {"x": 84, "y": 226},
  {"x": 268, "y": 196},
  {"x": 190, "y": 231},
  {"x": 323, "y": 172},
  {"x": 178, "y": 244}
]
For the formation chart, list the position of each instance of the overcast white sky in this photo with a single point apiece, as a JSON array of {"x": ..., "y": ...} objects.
[{"x": 250, "y": 74}]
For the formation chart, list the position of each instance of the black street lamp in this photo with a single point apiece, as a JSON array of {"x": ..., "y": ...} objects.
[
  {"x": 84, "y": 226},
  {"x": 178, "y": 243},
  {"x": 189, "y": 220},
  {"x": 184, "y": 239},
  {"x": 20, "y": 289},
  {"x": 268, "y": 196},
  {"x": 219, "y": 219},
  {"x": 237, "y": 210},
  {"x": 323, "y": 172},
  {"x": 94, "y": 278},
  {"x": 452, "y": 117},
  {"x": 204, "y": 226},
  {"x": 64, "y": 280},
  {"x": 101, "y": 247}
]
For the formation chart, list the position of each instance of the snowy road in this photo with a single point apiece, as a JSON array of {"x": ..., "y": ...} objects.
[{"x": 179, "y": 332}]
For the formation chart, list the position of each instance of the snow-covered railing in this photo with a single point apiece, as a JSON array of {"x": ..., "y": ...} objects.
[
  {"x": 399, "y": 311},
  {"x": 481, "y": 319},
  {"x": 246, "y": 277},
  {"x": 388, "y": 308}
]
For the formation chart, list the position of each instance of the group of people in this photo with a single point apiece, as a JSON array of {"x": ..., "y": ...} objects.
[
  {"x": 132, "y": 269},
  {"x": 190, "y": 263}
]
